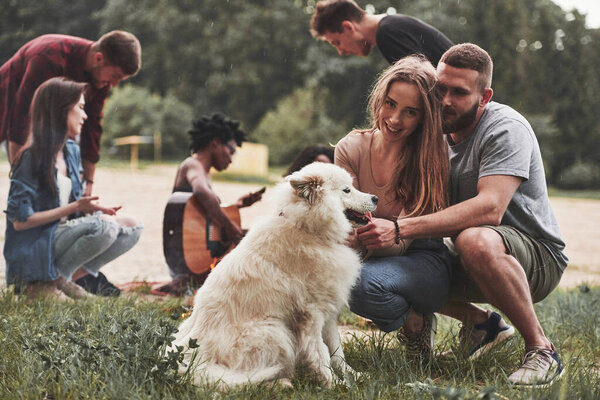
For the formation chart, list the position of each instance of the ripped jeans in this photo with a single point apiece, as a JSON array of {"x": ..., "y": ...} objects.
[{"x": 90, "y": 242}]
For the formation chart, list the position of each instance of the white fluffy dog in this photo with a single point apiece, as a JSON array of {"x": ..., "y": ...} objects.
[{"x": 272, "y": 303}]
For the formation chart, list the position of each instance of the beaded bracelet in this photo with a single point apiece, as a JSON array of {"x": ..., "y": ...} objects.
[
  {"x": 397, "y": 240},
  {"x": 88, "y": 180}
]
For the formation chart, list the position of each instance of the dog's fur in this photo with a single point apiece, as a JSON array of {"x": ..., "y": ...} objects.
[{"x": 272, "y": 303}]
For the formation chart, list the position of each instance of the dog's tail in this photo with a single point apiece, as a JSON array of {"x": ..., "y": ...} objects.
[{"x": 228, "y": 378}]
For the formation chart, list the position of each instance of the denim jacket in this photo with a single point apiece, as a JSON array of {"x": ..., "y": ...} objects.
[{"x": 28, "y": 253}]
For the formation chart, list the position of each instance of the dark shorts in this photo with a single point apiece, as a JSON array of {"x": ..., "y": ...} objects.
[{"x": 542, "y": 270}]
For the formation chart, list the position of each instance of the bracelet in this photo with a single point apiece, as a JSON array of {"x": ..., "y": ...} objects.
[
  {"x": 88, "y": 180},
  {"x": 397, "y": 239}
]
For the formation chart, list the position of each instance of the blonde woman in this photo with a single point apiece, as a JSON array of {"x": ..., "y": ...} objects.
[{"x": 403, "y": 160}]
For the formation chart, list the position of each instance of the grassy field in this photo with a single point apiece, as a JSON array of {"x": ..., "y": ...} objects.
[{"x": 112, "y": 349}]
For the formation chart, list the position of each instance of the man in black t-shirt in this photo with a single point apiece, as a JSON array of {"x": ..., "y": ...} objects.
[{"x": 352, "y": 31}]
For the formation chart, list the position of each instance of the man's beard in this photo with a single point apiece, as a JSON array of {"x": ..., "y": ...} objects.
[{"x": 461, "y": 122}]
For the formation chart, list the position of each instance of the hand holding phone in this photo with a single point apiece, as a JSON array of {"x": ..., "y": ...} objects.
[{"x": 251, "y": 198}]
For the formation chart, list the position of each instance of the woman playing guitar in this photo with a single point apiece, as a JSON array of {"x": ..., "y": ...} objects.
[{"x": 213, "y": 143}]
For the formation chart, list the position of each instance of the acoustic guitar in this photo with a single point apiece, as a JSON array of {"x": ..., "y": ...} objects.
[{"x": 192, "y": 239}]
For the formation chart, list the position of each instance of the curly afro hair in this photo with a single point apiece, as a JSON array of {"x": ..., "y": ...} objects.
[{"x": 215, "y": 125}]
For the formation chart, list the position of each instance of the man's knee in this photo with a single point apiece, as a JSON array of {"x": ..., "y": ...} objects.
[{"x": 478, "y": 246}]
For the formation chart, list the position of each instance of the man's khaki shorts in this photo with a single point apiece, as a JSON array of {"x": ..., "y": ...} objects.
[{"x": 542, "y": 270}]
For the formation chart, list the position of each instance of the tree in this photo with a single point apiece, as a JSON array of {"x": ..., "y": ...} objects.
[
  {"x": 133, "y": 110},
  {"x": 24, "y": 20},
  {"x": 298, "y": 121},
  {"x": 237, "y": 57}
]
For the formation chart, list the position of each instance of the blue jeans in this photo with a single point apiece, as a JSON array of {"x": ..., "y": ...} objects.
[
  {"x": 390, "y": 286},
  {"x": 90, "y": 242}
]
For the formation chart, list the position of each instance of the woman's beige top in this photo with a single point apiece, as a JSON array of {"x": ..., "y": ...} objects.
[{"x": 353, "y": 153}]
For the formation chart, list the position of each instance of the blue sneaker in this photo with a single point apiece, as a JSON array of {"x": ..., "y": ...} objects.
[
  {"x": 541, "y": 367},
  {"x": 476, "y": 340}
]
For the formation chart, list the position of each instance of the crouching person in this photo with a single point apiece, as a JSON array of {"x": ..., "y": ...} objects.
[
  {"x": 54, "y": 235},
  {"x": 403, "y": 160}
]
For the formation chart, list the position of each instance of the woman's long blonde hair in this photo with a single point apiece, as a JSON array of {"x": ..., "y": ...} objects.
[{"x": 422, "y": 172}]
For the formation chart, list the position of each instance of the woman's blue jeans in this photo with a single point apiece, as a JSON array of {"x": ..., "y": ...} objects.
[
  {"x": 90, "y": 242},
  {"x": 390, "y": 286}
]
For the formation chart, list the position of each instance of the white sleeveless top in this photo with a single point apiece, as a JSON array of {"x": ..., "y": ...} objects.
[{"x": 65, "y": 186}]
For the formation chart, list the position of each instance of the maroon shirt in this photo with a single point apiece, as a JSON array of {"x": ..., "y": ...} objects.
[{"x": 37, "y": 61}]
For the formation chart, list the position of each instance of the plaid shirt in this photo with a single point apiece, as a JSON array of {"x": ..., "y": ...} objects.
[{"x": 37, "y": 61}]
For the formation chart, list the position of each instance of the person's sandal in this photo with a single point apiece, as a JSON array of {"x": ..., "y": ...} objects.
[
  {"x": 71, "y": 289},
  {"x": 420, "y": 344},
  {"x": 177, "y": 287},
  {"x": 43, "y": 290}
]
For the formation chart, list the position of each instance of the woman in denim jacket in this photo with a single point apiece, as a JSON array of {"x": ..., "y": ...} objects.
[{"x": 53, "y": 234}]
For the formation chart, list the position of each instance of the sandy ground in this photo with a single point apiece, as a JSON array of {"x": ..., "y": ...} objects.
[{"x": 144, "y": 194}]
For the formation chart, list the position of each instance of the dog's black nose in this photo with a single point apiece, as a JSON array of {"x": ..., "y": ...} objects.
[{"x": 374, "y": 199}]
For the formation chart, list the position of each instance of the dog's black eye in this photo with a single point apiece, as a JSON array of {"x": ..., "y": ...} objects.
[{"x": 347, "y": 190}]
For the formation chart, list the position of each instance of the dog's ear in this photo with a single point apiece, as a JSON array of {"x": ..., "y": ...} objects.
[{"x": 309, "y": 188}]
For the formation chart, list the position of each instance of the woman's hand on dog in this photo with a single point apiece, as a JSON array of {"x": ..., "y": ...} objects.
[
  {"x": 352, "y": 240},
  {"x": 377, "y": 234}
]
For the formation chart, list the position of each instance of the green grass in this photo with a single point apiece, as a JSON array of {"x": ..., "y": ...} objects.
[{"x": 112, "y": 349}]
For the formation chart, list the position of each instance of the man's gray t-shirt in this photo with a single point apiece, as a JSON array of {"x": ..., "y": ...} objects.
[{"x": 503, "y": 143}]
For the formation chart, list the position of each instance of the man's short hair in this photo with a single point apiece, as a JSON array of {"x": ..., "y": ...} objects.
[
  {"x": 329, "y": 15},
  {"x": 471, "y": 56},
  {"x": 121, "y": 49}
]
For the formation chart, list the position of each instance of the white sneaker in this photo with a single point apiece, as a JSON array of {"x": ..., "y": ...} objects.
[{"x": 541, "y": 367}]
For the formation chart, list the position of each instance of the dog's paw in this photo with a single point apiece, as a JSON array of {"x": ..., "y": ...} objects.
[
  {"x": 326, "y": 376},
  {"x": 285, "y": 383},
  {"x": 345, "y": 374}
]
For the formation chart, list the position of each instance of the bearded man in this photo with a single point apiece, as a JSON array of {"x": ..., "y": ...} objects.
[{"x": 510, "y": 252}]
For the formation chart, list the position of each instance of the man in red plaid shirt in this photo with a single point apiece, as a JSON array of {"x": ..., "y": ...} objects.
[{"x": 103, "y": 64}]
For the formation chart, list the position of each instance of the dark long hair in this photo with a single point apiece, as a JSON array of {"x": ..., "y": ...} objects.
[
  {"x": 50, "y": 107},
  {"x": 308, "y": 155}
]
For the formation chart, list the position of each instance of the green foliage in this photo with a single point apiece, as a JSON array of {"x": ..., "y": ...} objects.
[
  {"x": 244, "y": 58},
  {"x": 297, "y": 122},
  {"x": 133, "y": 110},
  {"x": 23, "y": 20},
  {"x": 99, "y": 349},
  {"x": 237, "y": 57},
  {"x": 581, "y": 175},
  {"x": 547, "y": 134}
]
